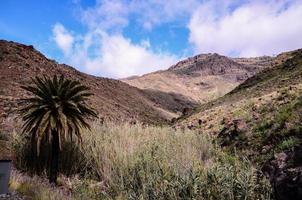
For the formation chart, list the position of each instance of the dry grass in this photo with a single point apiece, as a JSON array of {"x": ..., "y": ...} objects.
[
  {"x": 34, "y": 188},
  {"x": 112, "y": 145},
  {"x": 136, "y": 162}
]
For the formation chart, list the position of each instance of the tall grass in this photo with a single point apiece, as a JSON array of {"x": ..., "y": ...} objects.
[
  {"x": 110, "y": 148},
  {"x": 137, "y": 162},
  {"x": 34, "y": 188}
]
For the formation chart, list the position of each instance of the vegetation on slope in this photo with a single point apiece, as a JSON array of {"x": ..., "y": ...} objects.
[
  {"x": 271, "y": 96},
  {"x": 137, "y": 162},
  {"x": 261, "y": 119},
  {"x": 288, "y": 73}
]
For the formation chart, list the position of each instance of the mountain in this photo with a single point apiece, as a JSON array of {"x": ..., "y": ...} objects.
[
  {"x": 203, "y": 77},
  {"x": 113, "y": 99},
  {"x": 261, "y": 120},
  {"x": 252, "y": 106}
]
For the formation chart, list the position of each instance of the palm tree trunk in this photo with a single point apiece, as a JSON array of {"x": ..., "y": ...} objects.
[{"x": 54, "y": 162}]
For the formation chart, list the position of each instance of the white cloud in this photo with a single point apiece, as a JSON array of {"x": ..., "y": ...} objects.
[
  {"x": 103, "y": 50},
  {"x": 116, "y": 56},
  {"x": 252, "y": 29},
  {"x": 155, "y": 12},
  {"x": 106, "y": 14},
  {"x": 63, "y": 38},
  {"x": 227, "y": 27},
  {"x": 121, "y": 58},
  {"x": 114, "y": 14}
]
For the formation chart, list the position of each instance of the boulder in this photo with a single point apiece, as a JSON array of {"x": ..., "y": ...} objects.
[
  {"x": 285, "y": 174},
  {"x": 231, "y": 131}
]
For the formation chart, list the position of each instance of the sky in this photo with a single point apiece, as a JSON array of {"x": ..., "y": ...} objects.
[{"x": 121, "y": 38}]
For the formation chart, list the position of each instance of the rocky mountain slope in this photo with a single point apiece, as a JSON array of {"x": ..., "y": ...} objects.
[
  {"x": 261, "y": 119},
  {"x": 113, "y": 99},
  {"x": 203, "y": 77}
]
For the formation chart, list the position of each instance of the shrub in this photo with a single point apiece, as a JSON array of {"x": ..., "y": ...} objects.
[{"x": 289, "y": 143}]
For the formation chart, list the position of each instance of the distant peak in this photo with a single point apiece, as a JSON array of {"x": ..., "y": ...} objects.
[{"x": 210, "y": 63}]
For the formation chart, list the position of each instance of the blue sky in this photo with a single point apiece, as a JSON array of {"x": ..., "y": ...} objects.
[{"x": 120, "y": 38}]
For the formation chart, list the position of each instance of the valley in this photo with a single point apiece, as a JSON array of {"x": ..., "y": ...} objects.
[{"x": 249, "y": 107}]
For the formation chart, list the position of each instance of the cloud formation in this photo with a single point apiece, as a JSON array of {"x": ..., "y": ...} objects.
[
  {"x": 103, "y": 50},
  {"x": 230, "y": 27},
  {"x": 63, "y": 38},
  {"x": 124, "y": 58},
  {"x": 150, "y": 13},
  {"x": 112, "y": 55},
  {"x": 106, "y": 15},
  {"x": 252, "y": 29}
]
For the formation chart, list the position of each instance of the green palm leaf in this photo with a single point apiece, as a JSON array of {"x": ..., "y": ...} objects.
[{"x": 56, "y": 110}]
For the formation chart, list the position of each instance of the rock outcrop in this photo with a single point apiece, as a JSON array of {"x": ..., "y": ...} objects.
[{"x": 285, "y": 174}]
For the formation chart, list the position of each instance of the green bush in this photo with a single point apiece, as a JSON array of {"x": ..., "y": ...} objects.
[{"x": 289, "y": 143}]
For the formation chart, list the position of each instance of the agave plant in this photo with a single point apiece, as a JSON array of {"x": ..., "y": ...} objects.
[{"x": 56, "y": 111}]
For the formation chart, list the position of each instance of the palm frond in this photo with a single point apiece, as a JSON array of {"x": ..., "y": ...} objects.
[{"x": 57, "y": 105}]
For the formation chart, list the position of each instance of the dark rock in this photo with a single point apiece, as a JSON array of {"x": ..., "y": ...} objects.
[
  {"x": 173, "y": 120},
  {"x": 231, "y": 131},
  {"x": 285, "y": 174},
  {"x": 190, "y": 126},
  {"x": 186, "y": 111}
]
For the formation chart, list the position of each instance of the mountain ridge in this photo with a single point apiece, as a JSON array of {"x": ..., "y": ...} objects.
[
  {"x": 113, "y": 99},
  {"x": 203, "y": 77}
]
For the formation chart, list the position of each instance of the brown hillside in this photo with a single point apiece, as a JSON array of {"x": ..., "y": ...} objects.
[
  {"x": 203, "y": 77},
  {"x": 113, "y": 99}
]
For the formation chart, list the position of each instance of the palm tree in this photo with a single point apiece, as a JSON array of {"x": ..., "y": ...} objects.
[{"x": 56, "y": 111}]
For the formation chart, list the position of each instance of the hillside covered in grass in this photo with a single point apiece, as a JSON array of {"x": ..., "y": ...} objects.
[{"x": 261, "y": 119}]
